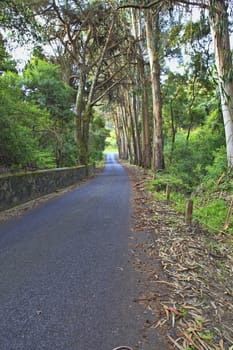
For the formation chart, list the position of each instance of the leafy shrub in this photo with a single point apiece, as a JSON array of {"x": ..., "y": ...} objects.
[
  {"x": 164, "y": 179},
  {"x": 190, "y": 160},
  {"x": 212, "y": 213},
  {"x": 111, "y": 143},
  {"x": 97, "y": 138},
  {"x": 21, "y": 125}
]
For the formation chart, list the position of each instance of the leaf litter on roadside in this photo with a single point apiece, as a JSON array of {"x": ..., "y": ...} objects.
[{"x": 193, "y": 295}]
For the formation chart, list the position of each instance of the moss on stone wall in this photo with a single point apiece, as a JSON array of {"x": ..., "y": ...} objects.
[{"x": 22, "y": 187}]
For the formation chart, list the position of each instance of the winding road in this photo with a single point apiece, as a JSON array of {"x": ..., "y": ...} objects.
[{"x": 65, "y": 280}]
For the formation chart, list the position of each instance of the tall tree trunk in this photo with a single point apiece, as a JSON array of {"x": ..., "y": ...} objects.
[
  {"x": 173, "y": 130},
  {"x": 84, "y": 106},
  {"x": 142, "y": 81},
  {"x": 145, "y": 122},
  {"x": 153, "y": 38},
  {"x": 84, "y": 141},
  {"x": 136, "y": 115},
  {"x": 118, "y": 131},
  {"x": 132, "y": 126},
  {"x": 79, "y": 110},
  {"x": 126, "y": 130},
  {"x": 218, "y": 19},
  {"x": 121, "y": 138},
  {"x": 131, "y": 110}
]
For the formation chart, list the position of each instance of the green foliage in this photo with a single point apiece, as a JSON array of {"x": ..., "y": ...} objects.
[
  {"x": 209, "y": 210},
  {"x": 97, "y": 139},
  {"x": 178, "y": 190},
  {"x": 6, "y": 62},
  {"x": 43, "y": 85},
  {"x": 212, "y": 213},
  {"x": 37, "y": 120},
  {"x": 174, "y": 35},
  {"x": 69, "y": 151},
  {"x": 18, "y": 17},
  {"x": 111, "y": 143},
  {"x": 196, "y": 31},
  {"x": 199, "y": 167},
  {"x": 218, "y": 166},
  {"x": 21, "y": 125},
  {"x": 191, "y": 160},
  {"x": 164, "y": 179}
]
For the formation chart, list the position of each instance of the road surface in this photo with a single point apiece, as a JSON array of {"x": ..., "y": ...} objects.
[{"x": 65, "y": 281}]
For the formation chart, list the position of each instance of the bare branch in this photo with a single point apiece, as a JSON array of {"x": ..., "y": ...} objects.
[
  {"x": 107, "y": 90},
  {"x": 58, "y": 13},
  {"x": 201, "y": 4},
  {"x": 100, "y": 61},
  {"x": 140, "y": 7},
  {"x": 111, "y": 77}
]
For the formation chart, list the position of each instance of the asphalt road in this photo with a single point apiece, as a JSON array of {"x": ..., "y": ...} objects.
[{"x": 65, "y": 280}]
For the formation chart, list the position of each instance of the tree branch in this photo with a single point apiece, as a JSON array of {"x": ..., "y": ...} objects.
[
  {"x": 111, "y": 77},
  {"x": 156, "y": 2},
  {"x": 56, "y": 9},
  {"x": 194, "y": 3},
  {"x": 100, "y": 61},
  {"x": 107, "y": 90},
  {"x": 140, "y": 7}
]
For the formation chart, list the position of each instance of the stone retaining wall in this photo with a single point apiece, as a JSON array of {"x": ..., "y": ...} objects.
[{"x": 19, "y": 188}]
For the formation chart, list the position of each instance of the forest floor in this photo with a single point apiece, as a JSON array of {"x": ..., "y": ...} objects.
[{"x": 188, "y": 273}]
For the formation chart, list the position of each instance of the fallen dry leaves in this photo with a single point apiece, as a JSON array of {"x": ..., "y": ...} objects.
[{"x": 188, "y": 270}]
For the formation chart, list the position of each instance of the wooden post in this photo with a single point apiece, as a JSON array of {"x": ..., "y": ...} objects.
[
  {"x": 229, "y": 214},
  {"x": 189, "y": 212},
  {"x": 168, "y": 191}
]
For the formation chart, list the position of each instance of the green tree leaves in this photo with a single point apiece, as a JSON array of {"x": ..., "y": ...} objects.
[{"x": 21, "y": 125}]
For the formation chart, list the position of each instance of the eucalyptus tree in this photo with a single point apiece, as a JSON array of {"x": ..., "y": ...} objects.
[
  {"x": 218, "y": 17},
  {"x": 218, "y": 12},
  {"x": 141, "y": 82},
  {"x": 151, "y": 23},
  {"x": 130, "y": 107},
  {"x": 90, "y": 35}
]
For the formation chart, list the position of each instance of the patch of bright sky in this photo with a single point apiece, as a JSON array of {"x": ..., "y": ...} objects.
[
  {"x": 173, "y": 63},
  {"x": 22, "y": 54}
]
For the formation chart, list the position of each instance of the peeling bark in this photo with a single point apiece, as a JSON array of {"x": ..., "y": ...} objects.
[
  {"x": 152, "y": 37},
  {"x": 218, "y": 19}
]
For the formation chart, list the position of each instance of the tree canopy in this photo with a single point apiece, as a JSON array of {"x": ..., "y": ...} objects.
[{"x": 120, "y": 54}]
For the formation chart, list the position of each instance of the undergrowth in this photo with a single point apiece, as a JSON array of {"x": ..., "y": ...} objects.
[{"x": 212, "y": 199}]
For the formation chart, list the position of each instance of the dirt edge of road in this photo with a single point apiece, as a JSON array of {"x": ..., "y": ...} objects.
[{"x": 187, "y": 273}]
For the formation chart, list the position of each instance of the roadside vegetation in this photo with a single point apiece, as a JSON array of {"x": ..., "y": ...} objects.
[
  {"x": 186, "y": 269},
  {"x": 152, "y": 81},
  {"x": 209, "y": 186}
]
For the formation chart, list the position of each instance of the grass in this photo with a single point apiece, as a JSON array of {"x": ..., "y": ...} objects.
[
  {"x": 212, "y": 213},
  {"x": 209, "y": 210}
]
